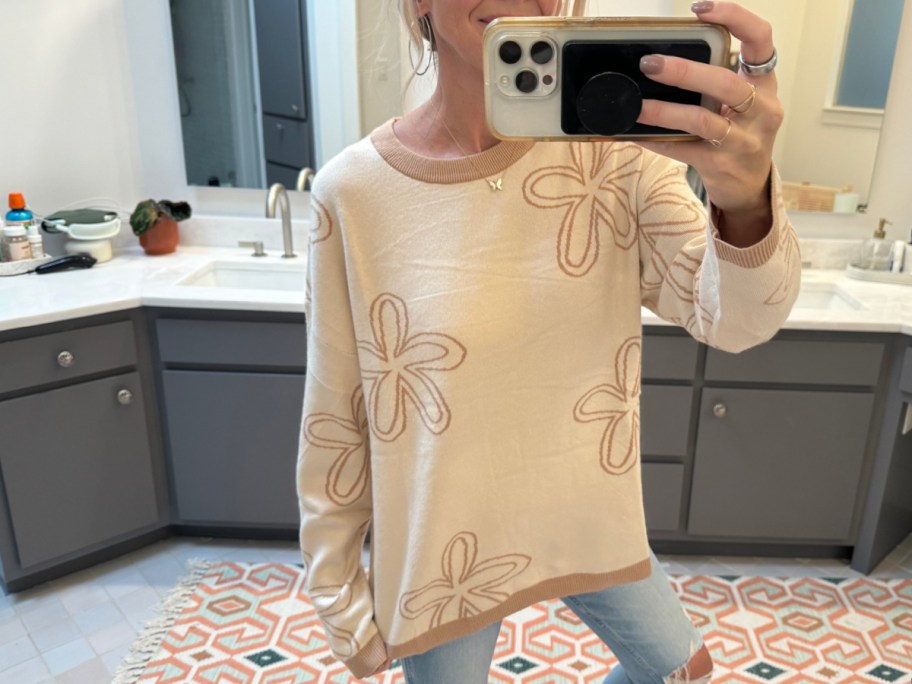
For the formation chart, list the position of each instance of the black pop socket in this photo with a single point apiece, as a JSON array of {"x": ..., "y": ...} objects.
[{"x": 609, "y": 104}]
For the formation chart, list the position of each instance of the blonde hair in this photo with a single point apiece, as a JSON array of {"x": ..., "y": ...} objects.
[{"x": 421, "y": 33}]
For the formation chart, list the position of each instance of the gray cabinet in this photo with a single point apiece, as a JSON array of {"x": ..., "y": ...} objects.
[
  {"x": 233, "y": 443},
  {"x": 668, "y": 370},
  {"x": 783, "y": 439},
  {"x": 778, "y": 464},
  {"x": 232, "y": 393},
  {"x": 85, "y": 481},
  {"x": 80, "y": 479},
  {"x": 771, "y": 451}
]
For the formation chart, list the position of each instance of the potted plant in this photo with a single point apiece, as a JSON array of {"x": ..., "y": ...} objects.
[{"x": 156, "y": 224}]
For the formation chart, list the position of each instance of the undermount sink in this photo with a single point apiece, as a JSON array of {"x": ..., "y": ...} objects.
[
  {"x": 826, "y": 296},
  {"x": 249, "y": 275}
]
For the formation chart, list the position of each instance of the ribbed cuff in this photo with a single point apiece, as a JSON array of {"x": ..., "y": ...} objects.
[
  {"x": 369, "y": 659},
  {"x": 758, "y": 254}
]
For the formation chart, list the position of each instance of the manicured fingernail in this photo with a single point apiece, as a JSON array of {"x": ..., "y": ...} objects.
[
  {"x": 704, "y": 6},
  {"x": 652, "y": 64}
]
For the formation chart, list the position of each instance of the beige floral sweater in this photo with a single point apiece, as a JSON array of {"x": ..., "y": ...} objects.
[{"x": 473, "y": 380}]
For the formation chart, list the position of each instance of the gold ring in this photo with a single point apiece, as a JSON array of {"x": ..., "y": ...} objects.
[
  {"x": 744, "y": 107},
  {"x": 718, "y": 143}
]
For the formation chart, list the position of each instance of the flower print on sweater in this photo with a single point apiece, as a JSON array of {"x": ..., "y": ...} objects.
[
  {"x": 322, "y": 224},
  {"x": 616, "y": 403},
  {"x": 467, "y": 586},
  {"x": 398, "y": 369},
  {"x": 594, "y": 190},
  {"x": 333, "y": 601},
  {"x": 349, "y": 474}
]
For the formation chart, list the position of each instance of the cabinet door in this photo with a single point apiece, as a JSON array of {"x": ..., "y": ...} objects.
[
  {"x": 778, "y": 464},
  {"x": 86, "y": 477},
  {"x": 233, "y": 445}
]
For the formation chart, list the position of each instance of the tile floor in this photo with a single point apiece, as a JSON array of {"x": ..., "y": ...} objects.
[{"x": 76, "y": 630}]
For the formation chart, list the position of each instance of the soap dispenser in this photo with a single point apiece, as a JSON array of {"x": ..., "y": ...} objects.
[{"x": 874, "y": 254}]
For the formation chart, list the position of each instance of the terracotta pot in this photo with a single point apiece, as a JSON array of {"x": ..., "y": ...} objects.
[{"x": 161, "y": 238}]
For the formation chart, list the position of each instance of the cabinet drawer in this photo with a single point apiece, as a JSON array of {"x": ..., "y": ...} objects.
[
  {"x": 662, "y": 483},
  {"x": 668, "y": 357},
  {"x": 665, "y": 420},
  {"x": 800, "y": 362},
  {"x": 41, "y": 360},
  {"x": 286, "y": 141},
  {"x": 233, "y": 343}
]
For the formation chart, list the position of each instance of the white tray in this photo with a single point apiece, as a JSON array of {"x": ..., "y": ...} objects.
[
  {"x": 11, "y": 268},
  {"x": 879, "y": 276}
]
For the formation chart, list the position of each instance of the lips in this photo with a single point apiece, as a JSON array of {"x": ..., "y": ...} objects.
[{"x": 488, "y": 20}]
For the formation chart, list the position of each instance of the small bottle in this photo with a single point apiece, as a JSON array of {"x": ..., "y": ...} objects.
[
  {"x": 16, "y": 244},
  {"x": 897, "y": 257},
  {"x": 18, "y": 215},
  {"x": 907, "y": 263},
  {"x": 35, "y": 241}
]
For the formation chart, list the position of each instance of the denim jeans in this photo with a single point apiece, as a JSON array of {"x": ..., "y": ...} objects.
[{"x": 643, "y": 623}]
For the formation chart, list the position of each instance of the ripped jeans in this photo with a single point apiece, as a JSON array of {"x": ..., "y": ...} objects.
[{"x": 643, "y": 623}]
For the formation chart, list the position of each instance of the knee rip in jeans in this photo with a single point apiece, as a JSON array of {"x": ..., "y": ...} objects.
[{"x": 697, "y": 670}]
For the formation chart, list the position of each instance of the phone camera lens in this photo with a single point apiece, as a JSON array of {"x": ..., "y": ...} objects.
[
  {"x": 542, "y": 52},
  {"x": 510, "y": 52},
  {"x": 526, "y": 81}
]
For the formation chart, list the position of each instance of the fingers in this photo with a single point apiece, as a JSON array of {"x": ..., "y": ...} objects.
[
  {"x": 720, "y": 84},
  {"x": 689, "y": 118},
  {"x": 755, "y": 34}
]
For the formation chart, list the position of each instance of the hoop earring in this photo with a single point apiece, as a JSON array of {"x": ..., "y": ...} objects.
[
  {"x": 427, "y": 31},
  {"x": 427, "y": 67}
]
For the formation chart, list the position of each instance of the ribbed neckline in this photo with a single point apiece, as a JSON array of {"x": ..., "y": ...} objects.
[{"x": 490, "y": 162}]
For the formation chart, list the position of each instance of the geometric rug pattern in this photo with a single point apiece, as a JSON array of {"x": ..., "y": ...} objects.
[{"x": 251, "y": 623}]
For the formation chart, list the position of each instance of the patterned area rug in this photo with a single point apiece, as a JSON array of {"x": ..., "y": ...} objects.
[{"x": 252, "y": 623}]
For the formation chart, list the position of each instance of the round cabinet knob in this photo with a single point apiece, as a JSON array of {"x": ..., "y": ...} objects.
[
  {"x": 720, "y": 410},
  {"x": 65, "y": 359},
  {"x": 125, "y": 397},
  {"x": 280, "y": 127},
  {"x": 295, "y": 108}
]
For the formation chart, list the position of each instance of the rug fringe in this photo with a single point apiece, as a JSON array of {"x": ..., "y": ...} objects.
[{"x": 155, "y": 630}]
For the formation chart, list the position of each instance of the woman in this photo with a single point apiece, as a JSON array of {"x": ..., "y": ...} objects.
[{"x": 474, "y": 355}]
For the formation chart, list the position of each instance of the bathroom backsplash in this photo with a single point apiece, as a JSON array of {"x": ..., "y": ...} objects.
[
  {"x": 221, "y": 231},
  {"x": 827, "y": 254}
]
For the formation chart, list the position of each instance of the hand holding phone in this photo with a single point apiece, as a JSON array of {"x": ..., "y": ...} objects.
[{"x": 559, "y": 77}]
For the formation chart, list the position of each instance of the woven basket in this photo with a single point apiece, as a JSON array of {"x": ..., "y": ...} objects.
[{"x": 807, "y": 197}]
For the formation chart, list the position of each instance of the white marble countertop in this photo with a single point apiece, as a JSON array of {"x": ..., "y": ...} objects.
[{"x": 132, "y": 279}]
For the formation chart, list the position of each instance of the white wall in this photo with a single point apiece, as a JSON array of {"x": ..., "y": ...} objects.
[{"x": 84, "y": 115}]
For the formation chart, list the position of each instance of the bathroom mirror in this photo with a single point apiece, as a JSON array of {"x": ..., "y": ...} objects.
[{"x": 246, "y": 104}]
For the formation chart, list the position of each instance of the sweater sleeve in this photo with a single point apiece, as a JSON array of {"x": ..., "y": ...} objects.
[
  {"x": 333, "y": 467},
  {"x": 727, "y": 297}
]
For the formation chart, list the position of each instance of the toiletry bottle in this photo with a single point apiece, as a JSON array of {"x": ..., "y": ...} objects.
[
  {"x": 897, "y": 256},
  {"x": 35, "y": 241},
  {"x": 16, "y": 244},
  {"x": 874, "y": 254},
  {"x": 907, "y": 262},
  {"x": 18, "y": 215}
]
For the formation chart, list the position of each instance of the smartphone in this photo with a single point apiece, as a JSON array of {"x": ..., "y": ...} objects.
[{"x": 554, "y": 78}]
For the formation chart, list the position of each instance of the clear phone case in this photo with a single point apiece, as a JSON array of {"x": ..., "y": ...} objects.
[{"x": 556, "y": 78}]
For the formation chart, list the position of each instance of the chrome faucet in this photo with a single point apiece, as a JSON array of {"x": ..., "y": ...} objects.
[
  {"x": 305, "y": 179},
  {"x": 278, "y": 192}
]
